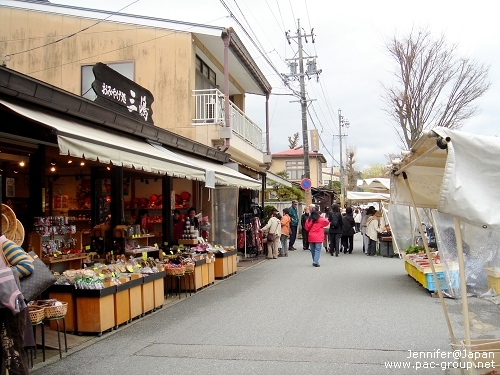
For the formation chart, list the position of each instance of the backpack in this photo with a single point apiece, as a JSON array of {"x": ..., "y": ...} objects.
[{"x": 334, "y": 220}]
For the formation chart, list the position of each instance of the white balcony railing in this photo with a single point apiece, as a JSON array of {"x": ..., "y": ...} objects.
[{"x": 209, "y": 109}]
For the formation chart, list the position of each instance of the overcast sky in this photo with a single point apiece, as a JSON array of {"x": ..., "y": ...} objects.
[{"x": 349, "y": 43}]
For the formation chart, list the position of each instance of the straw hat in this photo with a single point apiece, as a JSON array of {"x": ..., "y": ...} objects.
[
  {"x": 18, "y": 237},
  {"x": 9, "y": 221}
]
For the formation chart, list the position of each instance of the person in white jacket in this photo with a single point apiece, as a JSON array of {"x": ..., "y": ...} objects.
[{"x": 273, "y": 226}]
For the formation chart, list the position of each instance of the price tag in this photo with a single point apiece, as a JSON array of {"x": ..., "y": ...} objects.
[
  {"x": 130, "y": 269},
  {"x": 165, "y": 243},
  {"x": 87, "y": 247},
  {"x": 144, "y": 255},
  {"x": 100, "y": 238}
]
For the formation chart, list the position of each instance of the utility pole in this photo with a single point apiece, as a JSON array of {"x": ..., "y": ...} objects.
[
  {"x": 342, "y": 122},
  {"x": 311, "y": 65}
]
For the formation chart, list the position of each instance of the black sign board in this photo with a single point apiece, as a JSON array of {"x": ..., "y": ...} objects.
[{"x": 116, "y": 91}]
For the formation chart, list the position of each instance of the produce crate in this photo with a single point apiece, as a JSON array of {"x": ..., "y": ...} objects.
[{"x": 454, "y": 280}]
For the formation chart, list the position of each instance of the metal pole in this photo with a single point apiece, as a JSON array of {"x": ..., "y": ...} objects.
[
  {"x": 341, "y": 167},
  {"x": 303, "y": 104}
]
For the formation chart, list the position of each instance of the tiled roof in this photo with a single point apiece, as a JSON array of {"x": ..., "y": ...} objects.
[{"x": 296, "y": 152}]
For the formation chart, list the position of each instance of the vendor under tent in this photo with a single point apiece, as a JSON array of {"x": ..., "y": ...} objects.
[{"x": 449, "y": 180}]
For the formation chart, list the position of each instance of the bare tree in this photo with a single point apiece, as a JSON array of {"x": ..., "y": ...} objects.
[
  {"x": 352, "y": 174},
  {"x": 434, "y": 87},
  {"x": 293, "y": 141}
]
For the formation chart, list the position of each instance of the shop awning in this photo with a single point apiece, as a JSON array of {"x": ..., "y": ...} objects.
[
  {"x": 278, "y": 179},
  {"x": 82, "y": 140},
  {"x": 223, "y": 175}
]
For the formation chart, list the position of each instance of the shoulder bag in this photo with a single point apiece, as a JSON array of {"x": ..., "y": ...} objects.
[
  {"x": 271, "y": 236},
  {"x": 40, "y": 279}
]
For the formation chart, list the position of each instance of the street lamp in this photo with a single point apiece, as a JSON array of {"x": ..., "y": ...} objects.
[{"x": 343, "y": 123}]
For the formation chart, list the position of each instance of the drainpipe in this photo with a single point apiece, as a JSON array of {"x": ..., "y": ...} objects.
[
  {"x": 227, "y": 40},
  {"x": 268, "y": 147}
]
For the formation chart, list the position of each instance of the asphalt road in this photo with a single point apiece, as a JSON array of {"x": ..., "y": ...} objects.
[{"x": 352, "y": 315}]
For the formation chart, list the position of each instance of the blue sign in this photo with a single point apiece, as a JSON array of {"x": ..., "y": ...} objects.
[{"x": 305, "y": 184}]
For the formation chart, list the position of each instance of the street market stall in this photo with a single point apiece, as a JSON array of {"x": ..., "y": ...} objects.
[{"x": 448, "y": 182}]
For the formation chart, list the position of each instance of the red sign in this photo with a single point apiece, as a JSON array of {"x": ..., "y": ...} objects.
[{"x": 305, "y": 184}]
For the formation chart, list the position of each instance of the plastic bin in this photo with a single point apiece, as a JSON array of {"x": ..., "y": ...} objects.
[
  {"x": 454, "y": 280},
  {"x": 386, "y": 249}
]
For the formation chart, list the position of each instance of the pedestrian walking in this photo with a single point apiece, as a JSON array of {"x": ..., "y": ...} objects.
[
  {"x": 335, "y": 231},
  {"x": 294, "y": 215},
  {"x": 273, "y": 227},
  {"x": 285, "y": 232},
  {"x": 303, "y": 218},
  {"x": 357, "y": 219},
  {"x": 326, "y": 241},
  {"x": 347, "y": 231},
  {"x": 314, "y": 226}
]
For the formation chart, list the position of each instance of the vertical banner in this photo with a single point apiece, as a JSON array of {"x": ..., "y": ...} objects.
[{"x": 314, "y": 140}]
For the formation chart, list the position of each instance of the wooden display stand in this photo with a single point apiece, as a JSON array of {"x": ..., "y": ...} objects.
[
  {"x": 64, "y": 293},
  {"x": 64, "y": 263},
  {"x": 148, "y": 296},
  {"x": 225, "y": 264},
  {"x": 157, "y": 279},
  {"x": 95, "y": 309},
  {"x": 135, "y": 297},
  {"x": 122, "y": 304}
]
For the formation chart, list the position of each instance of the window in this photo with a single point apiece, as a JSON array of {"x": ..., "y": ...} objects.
[
  {"x": 124, "y": 68},
  {"x": 295, "y": 169},
  {"x": 205, "y": 77}
]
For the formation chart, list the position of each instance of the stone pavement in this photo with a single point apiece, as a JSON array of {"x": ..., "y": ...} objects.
[{"x": 352, "y": 315}]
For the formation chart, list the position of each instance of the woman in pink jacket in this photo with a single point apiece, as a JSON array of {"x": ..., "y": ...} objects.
[{"x": 314, "y": 226}]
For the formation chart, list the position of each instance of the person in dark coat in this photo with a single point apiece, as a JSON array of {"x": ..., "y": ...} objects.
[
  {"x": 348, "y": 231},
  {"x": 303, "y": 218},
  {"x": 335, "y": 231}
]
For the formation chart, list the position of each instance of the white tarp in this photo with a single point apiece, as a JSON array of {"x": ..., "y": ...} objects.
[
  {"x": 375, "y": 183},
  {"x": 460, "y": 180},
  {"x": 361, "y": 196}
]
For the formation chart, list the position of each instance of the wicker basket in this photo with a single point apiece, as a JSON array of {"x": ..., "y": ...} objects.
[
  {"x": 56, "y": 311},
  {"x": 37, "y": 313},
  {"x": 189, "y": 267},
  {"x": 175, "y": 271}
]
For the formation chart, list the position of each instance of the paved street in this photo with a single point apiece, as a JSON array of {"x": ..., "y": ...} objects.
[{"x": 283, "y": 317}]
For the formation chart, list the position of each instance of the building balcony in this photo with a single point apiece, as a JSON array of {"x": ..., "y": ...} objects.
[{"x": 209, "y": 110}]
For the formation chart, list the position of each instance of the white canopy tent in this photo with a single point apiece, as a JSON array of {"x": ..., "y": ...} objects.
[
  {"x": 362, "y": 196},
  {"x": 457, "y": 174},
  {"x": 375, "y": 183}
]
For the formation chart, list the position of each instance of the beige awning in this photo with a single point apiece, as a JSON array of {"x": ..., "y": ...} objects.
[
  {"x": 278, "y": 179},
  {"x": 92, "y": 142},
  {"x": 223, "y": 174}
]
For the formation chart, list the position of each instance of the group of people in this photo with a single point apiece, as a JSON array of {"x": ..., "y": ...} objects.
[
  {"x": 283, "y": 229},
  {"x": 333, "y": 229}
]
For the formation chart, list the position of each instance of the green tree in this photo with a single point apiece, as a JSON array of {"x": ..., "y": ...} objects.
[
  {"x": 282, "y": 192},
  {"x": 374, "y": 171}
]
